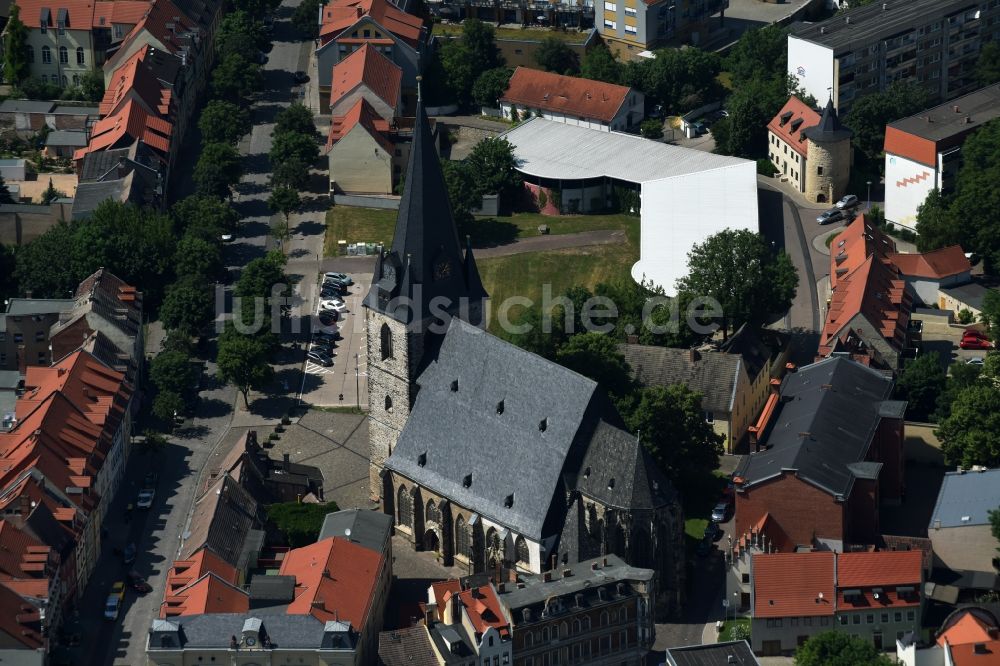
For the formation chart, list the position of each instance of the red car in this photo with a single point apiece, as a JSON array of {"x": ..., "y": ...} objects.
[
  {"x": 973, "y": 333},
  {"x": 975, "y": 343}
]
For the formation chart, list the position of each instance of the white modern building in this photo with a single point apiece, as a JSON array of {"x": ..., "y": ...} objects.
[{"x": 684, "y": 196}]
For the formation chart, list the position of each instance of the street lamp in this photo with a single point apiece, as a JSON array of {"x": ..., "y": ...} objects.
[
  {"x": 869, "y": 204},
  {"x": 357, "y": 381}
]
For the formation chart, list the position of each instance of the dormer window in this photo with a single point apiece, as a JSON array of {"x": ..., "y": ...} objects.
[
  {"x": 796, "y": 124},
  {"x": 543, "y": 425},
  {"x": 467, "y": 481},
  {"x": 509, "y": 501},
  {"x": 611, "y": 483},
  {"x": 422, "y": 459},
  {"x": 785, "y": 117},
  {"x": 454, "y": 386},
  {"x": 500, "y": 408},
  {"x": 586, "y": 473}
]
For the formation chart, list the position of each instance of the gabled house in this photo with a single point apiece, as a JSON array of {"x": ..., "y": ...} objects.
[
  {"x": 360, "y": 152},
  {"x": 959, "y": 528},
  {"x": 367, "y": 73},
  {"x": 347, "y": 25},
  {"x": 61, "y": 40},
  {"x": 134, "y": 174},
  {"x": 572, "y": 100},
  {"x": 829, "y": 452},
  {"x": 929, "y": 272},
  {"x": 22, "y": 639},
  {"x": 31, "y": 569},
  {"x": 733, "y": 378}
]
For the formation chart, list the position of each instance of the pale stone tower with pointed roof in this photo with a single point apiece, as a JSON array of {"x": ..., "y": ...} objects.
[
  {"x": 829, "y": 167},
  {"x": 422, "y": 281}
]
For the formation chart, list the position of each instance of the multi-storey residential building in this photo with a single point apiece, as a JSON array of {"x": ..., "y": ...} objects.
[
  {"x": 24, "y": 331},
  {"x": 873, "y": 595},
  {"x": 860, "y": 51},
  {"x": 572, "y": 100},
  {"x": 630, "y": 27},
  {"x": 924, "y": 152},
  {"x": 468, "y": 618},
  {"x": 596, "y": 612}
]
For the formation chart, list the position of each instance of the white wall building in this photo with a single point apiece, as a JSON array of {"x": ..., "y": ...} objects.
[{"x": 685, "y": 195}]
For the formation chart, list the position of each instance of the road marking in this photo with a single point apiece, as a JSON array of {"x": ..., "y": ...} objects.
[{"x": 313, "y": 369}]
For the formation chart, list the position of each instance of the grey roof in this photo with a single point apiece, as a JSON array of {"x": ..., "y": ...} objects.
[
  {"x": 271, "y": 590},
  {"x": 583, "y": 576},
  {"x": 426, "y": 256},
  {"x": 828, "y": 128},
  {"x": 75, "y": 138},
  {"x": 13, "y": 162},
  {"x": 98, "y": 163},
  {"x": 453, "y": 643},
  {"x": 715, "y": 654},
  {"x": 25, "y": 106},
  {"x": 966, "y": 495},
  {"x": 213, "y": 630},
  {"x": 828, "y": 415},
  {"x": 32, "y": 306},
  {"x": 223, "y": 519},
  {"x": 489, "y": 376},
  {"x": 370, "y": 529},
  {"x": 9, "y": 379},
  {"x": 943, "y": 121},
  {"x": 713, "y": 374},
  {"x": 972, "y": 293},
  {"x": 871, "y": 23},
  {"x": 406, "y": 647},
  {"x": 62, "y": 109},
  {"x": 617, "y": 471},
  {"x": 91, "y": 195}
]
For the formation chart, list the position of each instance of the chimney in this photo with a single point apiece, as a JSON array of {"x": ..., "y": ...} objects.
[
  {"x": 547, "y": 577},
  {"x": 632, "y": 339},
  {"x": 27, "y": 293},
  {"x": 286, "y": 463},
  {"x": 791, "y": 367},
  {"x": 456, "y": 609},
  {"x": 693, "y": 355},
  {"x": 567, "y": 573},
  {"x": 955, "y": 108},
  {"x": 359, "y": 12},
  {"x": 429, "y": 611},
  {"x": 604, "y": 562}
]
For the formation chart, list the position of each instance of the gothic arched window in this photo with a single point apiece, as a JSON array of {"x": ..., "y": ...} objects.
[
  {"x": 521, "y": 551},
  {"x": 405, "y": 507},
  {"x": 386, "y": 347},
  {"x": 462, "y": 543},
  {"x": 432, "y": 512}
]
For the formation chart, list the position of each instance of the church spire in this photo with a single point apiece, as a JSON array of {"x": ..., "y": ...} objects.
[{"x": 425, "y": 261}]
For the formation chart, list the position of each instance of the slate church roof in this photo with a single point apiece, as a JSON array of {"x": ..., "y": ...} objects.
[
  {"x": 425, "y": 261},
  {"x": 519, "y": 430}
]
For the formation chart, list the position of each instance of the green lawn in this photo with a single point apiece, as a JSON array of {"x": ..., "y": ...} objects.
[
  {"x": 516, "y": 34},
  {"x": 694, "y": 528},
  {"x": 727, "y": 629},
  {"x": 357, "y": 225}
]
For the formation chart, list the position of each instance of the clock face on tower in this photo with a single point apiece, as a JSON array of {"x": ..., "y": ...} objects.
[
  {"x": 388, "y": 271},
  {"x": 442, "y": 269}
]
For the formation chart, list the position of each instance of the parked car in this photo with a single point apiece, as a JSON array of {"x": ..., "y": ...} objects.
[
  {"x": 226, "y": 238},
  {"x": 342, "y": 277},
  {"x": 145, "y": 499},
  {"x": 114, "y": 602},
  {"x": 976, "y": 360},
  {"x": 329, "y": 330},
  {"x": 720, "y": 511},
  {"x": 130, "y": 552},
  {"x": 319, "y": 358},
  {"x": 138, "y": 583},
  {"x": 832, "y": 215},
  {"x": 333, "y": 305},
  {"x": 973, "y": 333},
  {"x": 328, "y": 318},
  {"x": 975, "y": 343},
  {"x": 712, "y": 531},
  {"x": 300, "y": 77},
  {"x": 847, "y": 201}
]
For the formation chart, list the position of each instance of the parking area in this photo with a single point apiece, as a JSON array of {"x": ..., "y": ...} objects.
[
  {"x": 345, "y": 383},
  {"x": 939, "y": 336}
]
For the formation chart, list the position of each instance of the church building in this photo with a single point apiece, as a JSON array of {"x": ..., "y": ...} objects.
[{"x": 493, "y": 457}]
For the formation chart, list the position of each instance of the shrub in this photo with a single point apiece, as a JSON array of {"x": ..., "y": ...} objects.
[
  {"x": 299, "y": 523},
  {"x": 965, "y": 316},
  {"x": 766, "y": 168},
  {"x": 543, "y": 199},
  {"x": 740, "y": 632}
]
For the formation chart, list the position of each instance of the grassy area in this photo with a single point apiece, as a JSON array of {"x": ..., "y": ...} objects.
[
  {"x": 727, "y": 629},
  {"x": 374, "y": 225},
  {"x": 694, "y": 528},
  {"x": 455, "y": 29}
]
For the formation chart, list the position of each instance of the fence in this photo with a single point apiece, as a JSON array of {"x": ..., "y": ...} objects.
[{"x": 385, "y": 201}]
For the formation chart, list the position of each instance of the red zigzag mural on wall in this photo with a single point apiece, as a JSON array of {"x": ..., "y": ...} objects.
[{"x": 913, "y": 181}]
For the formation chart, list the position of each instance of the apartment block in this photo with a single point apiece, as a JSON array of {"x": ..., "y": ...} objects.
[
  {"x": 861, "y": 51},
  {"x": 629, "y": 27}
]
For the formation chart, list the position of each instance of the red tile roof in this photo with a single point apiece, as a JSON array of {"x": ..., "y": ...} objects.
[
  {"x": 334, "y": 579},
  {"x": 130, "y": 122},
  {"x": 793, "y": 584},
  {"x": 81, "y": 13},
  {"x": 876, "y": 291},
  {"x": 443, "y": 590},
  {"x": 766, "y": 528},
  {"x": 19, "y": 620},
  {"x": 789, "y": 123},
  {"x": 936, "y": 264},
  {"x": 339, "y": 15},
  {"x": 881, "y": 569},
  {"x": 968, "y": 625},
  {"x": 976, "y": 654},
  {"x": 121, "y": 12},
  {"x": 184, "y": 572},
  {"x": 859, "y": 240},
  {"x": 484, "y": 610},
  {"x": 570, "y": 95},
  {"x": 134, "y": 79},
  {"x": 21, "y": 555},
  {"x": 207, "y": 594},
  {"x": 369, "y": 67},
  {"x": 166, "y": 23},
  {"x": 362, "y": 113}
]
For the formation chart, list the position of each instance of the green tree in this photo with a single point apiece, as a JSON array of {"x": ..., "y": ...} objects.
[
  {"x": 935, "y": 226},
  {"x": 284, "y": 200},
  {"x": 15, "y": 48},
  {"x": 596, "y": 355},
  {"x": 173, "y": 371},
  {"x": 306, "y": 18},
  {"x": 758, "y": 54},
  {"x": 871, "y": 113},
  {"x": 921, "y": 384},
  {"x": 292, "y": 145},
  {"x": 555, "y": 55},
  {"x": 835, "y": 648},
  {"x": 480, "y": 39},
  {"x": 671, "y": 424},
  {"x": 299, "y": 522},
  {"x": 991, "y": 312},
  {"x": 51, "y": 193},
  {"x": 236, "y": 78},
  {"x": 223, "y": 122},
  {"x": 243, "y": 362},
  {"x": 198, "y": 258},
  {"x": 988, "y": 65},
  {"x": 970, "y": 435},
  {"x": 188, "y": 306},
  {"x": 976, "y": 196},
  {"x": 961, "y": 377},
  {"x": 295, "y": 118},
  {"x": 995, "y": 526},
  {"x": 739, "y": 270},
  {"x": 494, "y": 167},
  {"x": 45, "y": 268},
  {"x": 652, "y": 128},
  {"x": 490, "y": 87},
  {"x": 681, "y": 79},
  {"x": 92, "y": 86},
  {"x": 219, "y": 168},
  {"x": 293, "y": 173},
  {"x": 599, "y": 64},
  {"x": 463, "y": 190},
  {"x": 459, "y": 74},
  {"x": 5, "y": 195},
  {"x": 261, "y": 274},
  {"x": 751, "y": 106},
  {"x": 240, "y": 33},
  {"x": 167, "y": 405},
  {"x": 206, "y": 217},
  {"x": 280, "y": 232}
]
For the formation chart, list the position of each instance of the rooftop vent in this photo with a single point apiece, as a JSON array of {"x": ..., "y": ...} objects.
[
  {"x": 509, "y": 501},
  {"x": 586, "y": 473},
  {"x": 611, "y": 483},
  {"x": 422, "y": 459},
  {"x": 543, "y": 425},
  {"x": 500, "y": 408},
  {"x": 467, "y": 481},
  {"x": 454, "y": 385}
]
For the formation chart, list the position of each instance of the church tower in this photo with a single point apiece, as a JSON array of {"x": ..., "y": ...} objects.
[{"x": 419, "y": 284}]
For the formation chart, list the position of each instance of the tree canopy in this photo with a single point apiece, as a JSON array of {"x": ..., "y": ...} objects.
[
  {"x": 243, "y": 361},
  {"x": 189, "y": 306},
  {"x": 680, "y": 79},
  {"x": 555, "y": 55},
  {"x": 223, "y": 122},
  {"x": 284, "y": 200},
  {"x": 760, "y": 53},
  {"x": 236, "y": 79},
  {"x": 172, "y": 370},
  {"x": 599, "y": 64},
  {"x": 463, "y": 191},
  {"x": 219, "y": 168},
  {"x": 871, "y": 113},
  {"x": 294, "y": 146},
  {"x": 15, "y": 48},
  {"x": 462, "y": 61},
  {"x": 306, "y": 18},
  {"x": 596, "y": 355},
  {"x": 494, "y": 167},
  {"x": 988, "y": 65},
  {"x": 206, "y": 217},
  {"x": 490, "y": 86},
  {"x": 299, "y": 522},
  {"x": 921, "y": 384},
  {"x": 743, "y": 274},
  {"x": 970, "y": 435},
  {"x": 295, "y": 118},
  {"x": 836, "y": 648}
]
